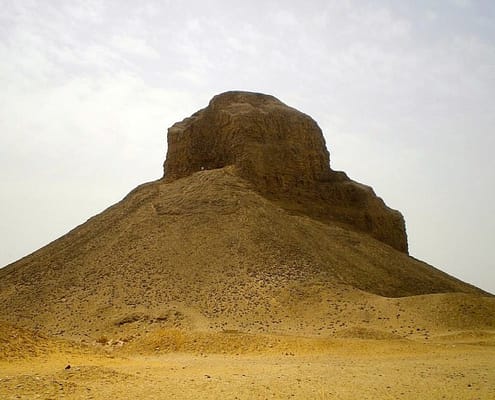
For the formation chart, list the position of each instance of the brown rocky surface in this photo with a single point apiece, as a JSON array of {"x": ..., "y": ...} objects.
[{"x": 282, "y": 152}]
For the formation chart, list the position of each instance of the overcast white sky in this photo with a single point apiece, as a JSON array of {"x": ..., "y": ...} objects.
[{"x": 404, "y": 92}]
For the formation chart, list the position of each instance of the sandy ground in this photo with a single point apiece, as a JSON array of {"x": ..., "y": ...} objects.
[{"x": 345, "y": 369}]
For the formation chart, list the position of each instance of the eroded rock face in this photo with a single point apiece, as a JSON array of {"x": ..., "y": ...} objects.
[
  {"x": 282, "y": 152},
  {"x": 269, "y": 143}
]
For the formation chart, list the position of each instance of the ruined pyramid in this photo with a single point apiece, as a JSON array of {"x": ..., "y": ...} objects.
[{"x": 249, "y": 230}]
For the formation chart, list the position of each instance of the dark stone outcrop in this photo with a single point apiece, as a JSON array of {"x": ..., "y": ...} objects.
[{"x": 282, "y": 153}]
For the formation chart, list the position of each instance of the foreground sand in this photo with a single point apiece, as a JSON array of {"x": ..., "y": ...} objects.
[{"x": 454, "y": 368}]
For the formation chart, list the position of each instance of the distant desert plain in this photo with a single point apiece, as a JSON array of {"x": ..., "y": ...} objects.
[{"x": 251, "y": 270}]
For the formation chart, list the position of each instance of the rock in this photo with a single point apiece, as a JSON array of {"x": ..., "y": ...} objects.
[{"x": 282, "y": 153}]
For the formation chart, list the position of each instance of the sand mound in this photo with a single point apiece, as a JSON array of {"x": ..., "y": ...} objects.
[
  {"x": 18, "y": 343},
  {"x": 359, "y": 332}
]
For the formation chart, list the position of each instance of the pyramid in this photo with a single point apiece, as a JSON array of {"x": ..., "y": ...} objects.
[{"x": 248, "y": 230}]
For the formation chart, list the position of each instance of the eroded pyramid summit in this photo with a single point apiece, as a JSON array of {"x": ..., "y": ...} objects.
[{"x": 281, "y": 152}]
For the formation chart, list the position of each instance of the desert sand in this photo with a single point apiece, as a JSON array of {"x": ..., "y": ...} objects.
[{"x": 459, "y": 366}]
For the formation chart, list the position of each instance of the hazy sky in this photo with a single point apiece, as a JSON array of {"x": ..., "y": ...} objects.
[{"x": 404, "y": 92}]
